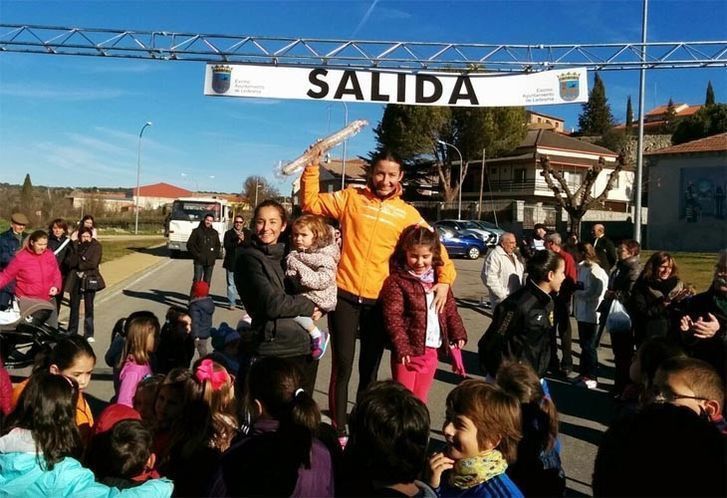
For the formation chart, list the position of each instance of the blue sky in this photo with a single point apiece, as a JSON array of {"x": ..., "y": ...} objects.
[{"x": 74, "y": 121}]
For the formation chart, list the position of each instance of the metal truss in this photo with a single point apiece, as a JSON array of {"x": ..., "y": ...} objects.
[{"x": 359, "y": 54}]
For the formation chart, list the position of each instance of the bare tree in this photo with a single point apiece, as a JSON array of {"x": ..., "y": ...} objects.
[{"x": 577, "y": 203}]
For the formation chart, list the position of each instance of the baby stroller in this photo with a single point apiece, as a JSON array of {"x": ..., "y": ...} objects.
[{"x": 23, "y": 334}]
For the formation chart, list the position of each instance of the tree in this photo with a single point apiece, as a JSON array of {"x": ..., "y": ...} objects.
[
  {"x": 579, "y": 202},
  {"x": 670, "y": 118},
  {"x": 258, "y": 184},
  {"x": 27, "y": 202},
  {"x": 596, "y": 117},
  {"x": 707, "y": 121},
  {"x": 629, "y": 114},
  {"x": 709, "y": 98},
  {"x": 413, "y": 132}
]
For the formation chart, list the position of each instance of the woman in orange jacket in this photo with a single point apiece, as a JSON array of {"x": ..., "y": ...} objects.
[{"x": 371, "y": 221}]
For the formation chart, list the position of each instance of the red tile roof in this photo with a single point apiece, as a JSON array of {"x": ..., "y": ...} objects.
[
  {"x": 164, "y": 190},
  {"x": 715, "y": 143}
]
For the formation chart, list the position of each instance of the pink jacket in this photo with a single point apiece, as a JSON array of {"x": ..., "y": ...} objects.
[{"x": 34, "y": 274}]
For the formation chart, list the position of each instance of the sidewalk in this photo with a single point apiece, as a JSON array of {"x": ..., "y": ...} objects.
[{"x": 118, "y": 270}]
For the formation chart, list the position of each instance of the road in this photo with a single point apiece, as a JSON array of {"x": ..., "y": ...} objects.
[{"x": 584, "y": 414}]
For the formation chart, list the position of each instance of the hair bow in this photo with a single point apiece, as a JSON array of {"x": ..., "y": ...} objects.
[{"x": 206, "y": 372}]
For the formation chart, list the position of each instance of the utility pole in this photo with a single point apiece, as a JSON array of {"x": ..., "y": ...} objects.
[
  {"x": 640, "y": 142},
  {"x": 482, "y": 185}
]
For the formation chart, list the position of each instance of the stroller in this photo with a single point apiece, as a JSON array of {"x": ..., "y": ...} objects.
[{"x": 23, "y": 334}]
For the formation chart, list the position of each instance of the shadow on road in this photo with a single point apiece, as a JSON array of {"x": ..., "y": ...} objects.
[
  {"x": 475, "y": 306},
  {"x": 580, "y": 402},
  {"x": 165, "y": 297},
  {"x": 154, "y": 251}
]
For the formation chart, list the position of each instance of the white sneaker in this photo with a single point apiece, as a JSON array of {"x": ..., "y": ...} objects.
[{"x": 588, "y": 383}]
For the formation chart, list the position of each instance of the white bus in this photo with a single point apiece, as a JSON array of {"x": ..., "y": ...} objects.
[{"x": 186, "y": 214}]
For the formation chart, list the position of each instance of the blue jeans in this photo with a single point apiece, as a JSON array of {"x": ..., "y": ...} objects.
[
  {"x": 203, "y": 272},
  {"x": 231, "y": 288}
]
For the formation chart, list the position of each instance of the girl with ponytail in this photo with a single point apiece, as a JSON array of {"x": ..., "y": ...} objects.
[{"x": 281, "y": 455}]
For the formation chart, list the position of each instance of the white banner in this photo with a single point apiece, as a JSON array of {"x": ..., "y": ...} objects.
[{"x": 423, "y": 88}]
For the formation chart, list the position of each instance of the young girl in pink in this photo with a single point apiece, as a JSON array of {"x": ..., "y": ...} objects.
[
  {"x": 417, "y": 332},
  {"x": 141, "y": 341}
]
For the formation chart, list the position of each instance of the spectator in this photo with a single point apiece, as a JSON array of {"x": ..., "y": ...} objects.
[
  {"x": 562, "y": 301},
  {"x": 234, "y": 239},
  {"x": 522, "y": 323},
  {"x": 204, "y": 247},
  {"x": 387, "y": 450},
  {"x": 60, "y": 243},
  {"x": 653, "y": 297},
  {"x": 201, "y": 309},
  {"x": 605, "y": 249},
  {"x": 590, "y": 289},
  {"x": 10, "y": 242},
  {"x": 39, "y": 455},
  {"x": 226, "y": 343},
  {"x": 176, "y": 343},
  {"x": 86, "y": 222},
  {"x": 35, "y": 272},
  {"x": 84, "y": 280},
  {"x": 502, "y": 272},
  {"x": 571, "y": 244},
  {"x": 703, "y": 326},
  {"x": 620, "y": 282},
  {"x": 141, "y": 342},
  {"x": 281, "y": 456}
]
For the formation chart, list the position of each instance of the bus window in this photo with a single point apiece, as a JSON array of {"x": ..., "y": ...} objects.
[{"x": 195, "y": 210}]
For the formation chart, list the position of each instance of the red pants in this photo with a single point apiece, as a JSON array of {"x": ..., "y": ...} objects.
[{"x": 418, "y": 374}]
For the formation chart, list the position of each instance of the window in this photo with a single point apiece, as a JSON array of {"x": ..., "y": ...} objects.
[{"x": 519, "y": 175}]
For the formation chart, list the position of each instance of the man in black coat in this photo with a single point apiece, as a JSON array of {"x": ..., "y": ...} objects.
[
  {"x": 10, "y": 243},
  {"x": 605, "y": 250},
  {"x": 234, "y": 240},
  {"x": 204, "y": 246}
]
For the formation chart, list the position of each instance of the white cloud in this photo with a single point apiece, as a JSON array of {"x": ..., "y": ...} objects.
[{"x": 59, "y": 94}]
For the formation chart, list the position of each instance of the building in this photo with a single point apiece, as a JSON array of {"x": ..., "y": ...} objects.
[
  {"x": 687, "y": 197},
  {"x": 655, "y": 119},
  {"x": 516, "y": 178},
  {"x": 537, "y": 120},
  {"x": 150, "y": 197},
  {"x": 158, "y": 194},
  {"x": 330, "y": 176}
]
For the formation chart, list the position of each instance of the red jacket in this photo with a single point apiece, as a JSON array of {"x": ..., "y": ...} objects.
[
  {"x": 34, "y": 274},
  {"x": 405, "y": 315}
]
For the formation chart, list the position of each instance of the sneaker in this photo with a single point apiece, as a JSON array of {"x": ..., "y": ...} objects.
[
  {"x": 90, "y": 340},
  {"x": 587, "y": 382},
  {"x": 320, "y": 344}
]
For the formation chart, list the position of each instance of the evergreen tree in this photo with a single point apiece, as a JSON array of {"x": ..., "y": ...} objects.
[
  {"x": 596, "y": 117},
  {"x": 670, "y": 118},
  {"x": 707, "y": 121},
  {"x": 26, "y": 196},
  {"x": 709, "y": 98},
  {"x": 629, "y": 114}
]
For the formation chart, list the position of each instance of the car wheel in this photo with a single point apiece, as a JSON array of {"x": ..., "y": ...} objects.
[{"x": 473, "y": 253}]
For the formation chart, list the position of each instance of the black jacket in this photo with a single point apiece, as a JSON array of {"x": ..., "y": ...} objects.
[
  {"x": 650, "y": 315},
  {"x": 53, "y": 244},
  {"x": 261, "y": 283},
  {"x": 520, "y": 331},
  {"x": 606, "y": 252},
  {"x": 84, "y": 258},
  {"x": 204, "y": 245},
  {"x": 714, "y": 349},
  {"x": 232, "y": 244}
]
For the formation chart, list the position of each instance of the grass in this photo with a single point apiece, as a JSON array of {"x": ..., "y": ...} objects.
[
  {"x": 114, "y": 249},
  {"x": 695, "y": 268}
]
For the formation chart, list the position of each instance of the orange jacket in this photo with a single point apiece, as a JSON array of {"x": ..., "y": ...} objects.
[
  {"x": 370, "y": 228},
  {"x": 84, "y": 417}
]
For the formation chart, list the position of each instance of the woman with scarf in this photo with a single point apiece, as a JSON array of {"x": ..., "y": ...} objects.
[{"x": 84, "y": 280}]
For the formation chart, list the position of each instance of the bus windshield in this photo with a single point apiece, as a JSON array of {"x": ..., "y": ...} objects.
[{"x": 195, "y": 210}]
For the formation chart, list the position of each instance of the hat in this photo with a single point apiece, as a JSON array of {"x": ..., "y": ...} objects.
[
  {"x": 224, "y": 335},
  {"x": 200, "y": 289},
  {"x": 19, "y": 218},
  {"x": 113, "y": 414}
]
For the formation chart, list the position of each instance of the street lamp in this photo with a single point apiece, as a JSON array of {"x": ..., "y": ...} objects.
[
  {"x": 461, "y": 168},
  {"x": 138, "y": 175}
]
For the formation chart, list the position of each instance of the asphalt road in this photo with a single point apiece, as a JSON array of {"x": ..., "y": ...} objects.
[{"x": 584, "y": 415}]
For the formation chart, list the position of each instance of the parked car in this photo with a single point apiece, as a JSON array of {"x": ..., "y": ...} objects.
[
  {"x": 461, "y": 243},
  {"x": 492, "y": 228},
  {"x": 466, "y": 226}
]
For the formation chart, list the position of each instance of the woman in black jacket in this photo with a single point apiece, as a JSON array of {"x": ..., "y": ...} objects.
[
  {"x": 268, "y": 297},
  {"x": 60, "y": 244},
  {"x": 654, "y": 296},
  {"x": 84, "y": 280}
]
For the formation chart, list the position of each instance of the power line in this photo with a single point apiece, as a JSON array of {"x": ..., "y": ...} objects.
[{"x": 360, "y": 54}]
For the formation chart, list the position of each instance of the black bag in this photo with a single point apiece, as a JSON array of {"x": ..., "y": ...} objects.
[{"x": 92, "y": 283}]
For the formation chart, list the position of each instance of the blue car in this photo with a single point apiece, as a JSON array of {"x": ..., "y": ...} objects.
[{"x": 461, "y": 243}]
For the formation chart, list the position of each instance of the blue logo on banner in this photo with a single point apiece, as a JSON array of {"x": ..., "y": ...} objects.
[
  {"x": 221, "y": 76},
  {"x": 569, "y": 86}
]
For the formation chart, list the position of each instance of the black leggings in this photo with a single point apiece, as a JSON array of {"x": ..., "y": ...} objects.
[{"x": 344, "y": 323}]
